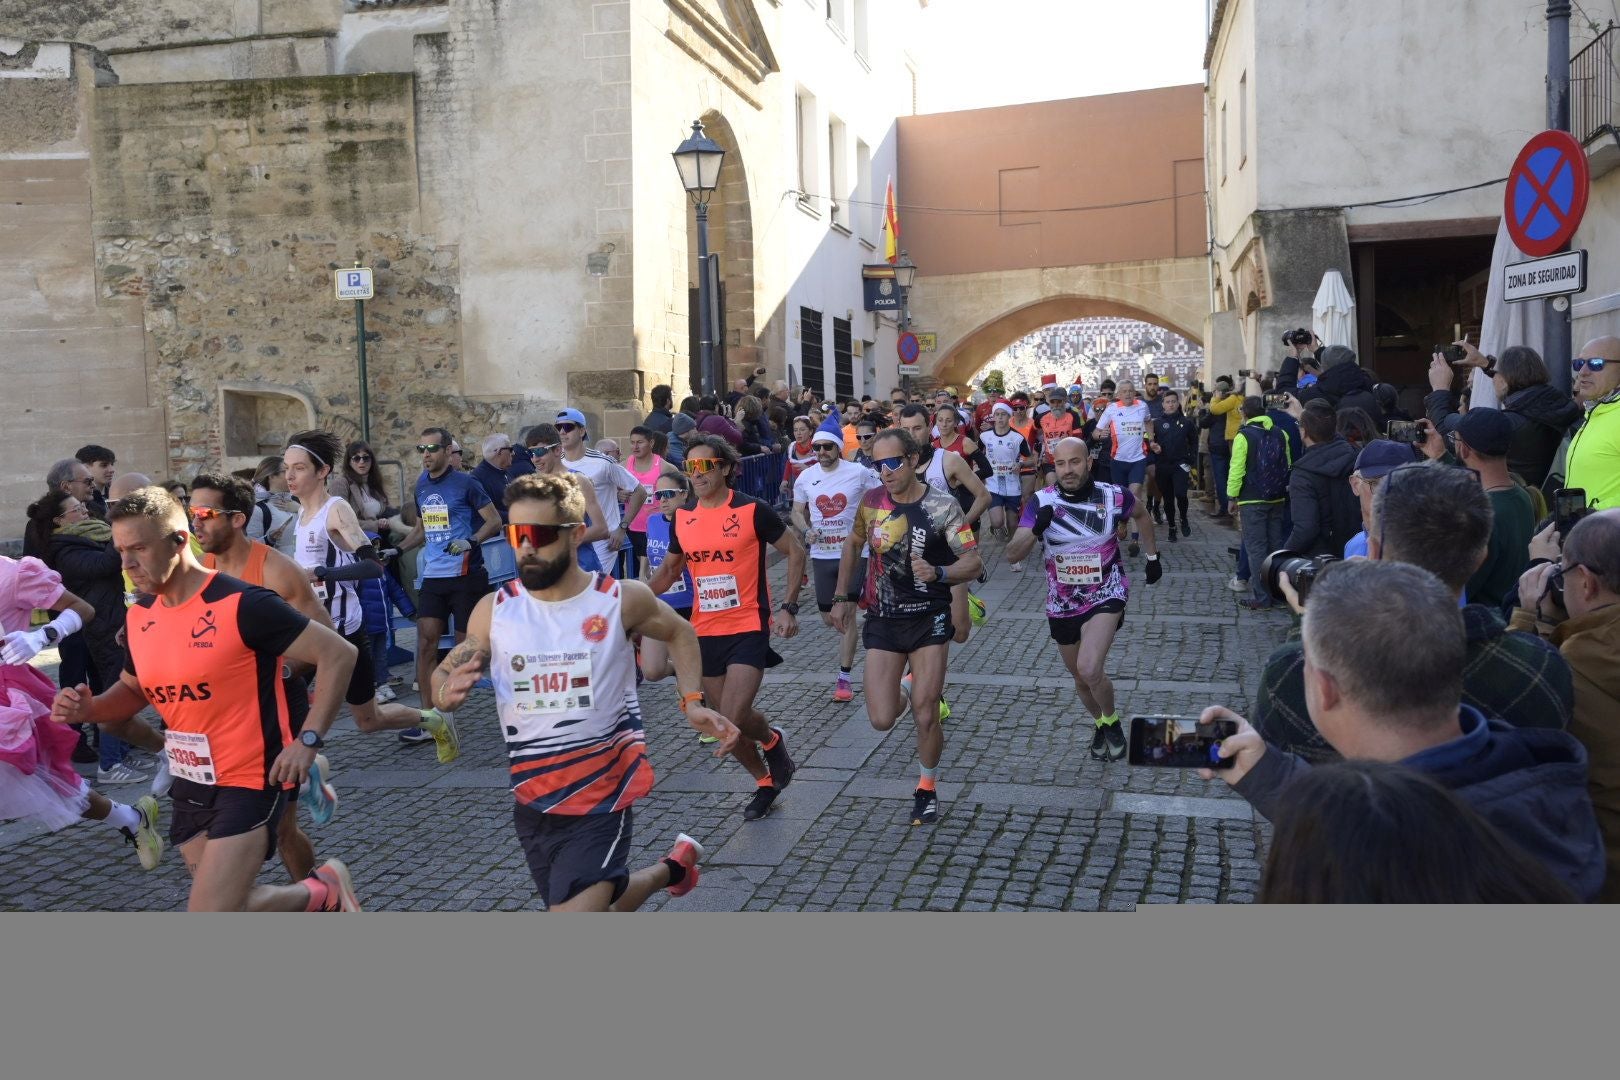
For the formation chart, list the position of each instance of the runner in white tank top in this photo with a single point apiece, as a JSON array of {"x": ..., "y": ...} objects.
[
  {"x": 315, "y": 548},
  {"x": 556, "y": 644}
]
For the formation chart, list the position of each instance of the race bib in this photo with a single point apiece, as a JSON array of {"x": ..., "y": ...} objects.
[
  {"x": 1186, "y": 468},
  {"x": 1003, "y": 468},
  {"x": 717, "y": 592},
  {"x": 1082, "y": 569},
  {"x": 190, "y": 757},
  {"x": 556, "y": 682},
  {"x": 1130, "y": 431},
  {"x": 828, "y": 544},
  {"x": 436, "y": 519}
]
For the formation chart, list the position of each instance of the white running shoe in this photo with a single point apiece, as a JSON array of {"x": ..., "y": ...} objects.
[
  {"x": 1237, "y": 584},
  {"x": 1017, "y": 567},
  {"x": 385, "y": 694}
]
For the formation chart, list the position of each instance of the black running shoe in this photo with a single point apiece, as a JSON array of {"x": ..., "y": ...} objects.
[
  {"x": 1099, "y": 745},
  {"x": 1113, "y": 738},
  {"x": 924, "y": 807},
  {"x": 1173, "y": 537},
  {"x": 1185, "y": 530},
  {"x": 1135, "y": 548},
  {"x": 1158, "y": 516},
  {"x": 760, "y": 804},
  {"x": 777, "y": 760}
]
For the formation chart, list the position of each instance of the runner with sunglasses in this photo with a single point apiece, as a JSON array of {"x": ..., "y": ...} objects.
[
  {"x": 947, "y": 471},
  {"x": 670, "y": 491},
  {"x": 920, "y": 547},
  {"x": 1023, "y": 423},
  {"x": 825, "y": 498},
  {"x": 607, "y": 477},
  {"x": 546, "y": 453},
  {"x": 556, "y": 642},
  {"x": 722, "y": 536},
  {"x": 1008, "y": 453}
]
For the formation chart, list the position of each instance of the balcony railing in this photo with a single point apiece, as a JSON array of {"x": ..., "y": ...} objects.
[{"x": 1592, "y": 84}]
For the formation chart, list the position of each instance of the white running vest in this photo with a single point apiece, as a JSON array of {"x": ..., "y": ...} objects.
[
  {"x": 934, "y": 474},
  {"x": 315, "y": 548}
]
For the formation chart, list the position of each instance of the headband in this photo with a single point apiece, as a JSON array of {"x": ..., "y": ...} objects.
[{"x": 307, "y": 450}]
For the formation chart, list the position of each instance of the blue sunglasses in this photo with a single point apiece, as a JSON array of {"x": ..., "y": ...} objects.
[
  {"x": 1593, "y": 364},
  {"x": 889, "y": 464}
]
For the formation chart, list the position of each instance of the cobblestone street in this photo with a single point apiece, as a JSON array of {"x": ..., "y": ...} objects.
[{"x": 1028, "y": 821}]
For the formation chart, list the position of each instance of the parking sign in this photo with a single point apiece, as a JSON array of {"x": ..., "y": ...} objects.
[{"x": 353, "y": 283}]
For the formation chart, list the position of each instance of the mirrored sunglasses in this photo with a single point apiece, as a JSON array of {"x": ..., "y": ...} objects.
[{"x": 536, "y": 536}]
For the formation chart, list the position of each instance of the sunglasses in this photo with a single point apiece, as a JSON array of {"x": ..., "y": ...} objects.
[
  {"x": 1594, "y": 364},
  {"x": 889, "y": 464},
  {"x": 565, "y": 428},
  {"x": 208, "y": 513},
  {"x": 663, "y": 494},
  {"x": 429, "y": 447},
  {"x": 536, "y": 536},
  {"x": 542, "y": 449},
  {"x": 360, "y": 457},
  {"x": 865, "y": 438},
  {"x": 700, "y": 466}
]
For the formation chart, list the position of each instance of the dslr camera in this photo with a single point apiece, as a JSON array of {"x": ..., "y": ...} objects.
[
  {"x": 1301, "y": 571},
  {"x": 1297, "y": 337}
]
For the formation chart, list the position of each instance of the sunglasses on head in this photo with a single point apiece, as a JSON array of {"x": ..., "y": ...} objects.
[
  {"x": 702, "y": 465},
  {"x": 1594, "y": 364},
  {"x": 537, "y": 536},
  {"x": 429, "y": 447},
  {"x": 209, "y": 513},
  {"x": 566, "y": 427},
  {"x": 359, "y": 457},
  {"x": 890, "y": 464}
]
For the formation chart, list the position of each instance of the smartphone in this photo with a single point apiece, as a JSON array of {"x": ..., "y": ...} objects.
[
  {"x": 1569, "y": 506},
  {"x": 1454, "y": 354},
  {"x": 1405, "y": 431},
  {"x": 1179, "y": 742},
  {"x": 1276, "y": 401}
]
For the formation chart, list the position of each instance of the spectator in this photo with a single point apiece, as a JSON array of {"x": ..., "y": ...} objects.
[
  {"x": 1325, "y": 512},
  {"x": 689, "y": 406},
  {"x": 646, "y": 466},
  {"x": 275, "y": 510},
  {"x": 522, "y": 455},
  {"x": 1389, "y": 406},
  {"x": 360, "y": 484},
  {"x": 710, "y": 422},
  {"x": 661, "y": 418},
  {"x": 1298, "y": 353},
  {"x": 103, "y": 466},
  {"x": 609, "y": 448},
  {"x": 1258, "y": 483},
  {"x": 1593, "y": 461},
  {"x": 1223, "y": 419},
  {"x": 739, "y": 387},
  {"x": 801, "y": 454},
  {"x": 1358, "y": 427},
  {"x": 681, "y": 428},
  {"x": 1437, "y": 518},
  {"x": 779, "y": 393},
  {"x": 178, "y": 492},
  {"x": 1575, "y": 603},
  {"x": 1366, "y": 832},
  {"x": 1376, "y": 460},
  {"x": 70, "y": 477},
  {"x": 491, "y": 471},
  {"x": 1540, "y": 413},
  {"x": 1384, "y": 655},
  {"x": 1343, "y": 383},
  {"x": 1482, "y": 438},
  {"x": 756, "y": 430}
]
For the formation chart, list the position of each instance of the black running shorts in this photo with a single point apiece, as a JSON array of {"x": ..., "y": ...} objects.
[
  {"x": 1067, "y": 631},
  {"x": 907, "y": 635},
  {"x": 447, "y": 597},
  {"x": 222, "y": 812},
  {"x": 568, "y": 853},
  {"x": 752, "y": 649}
]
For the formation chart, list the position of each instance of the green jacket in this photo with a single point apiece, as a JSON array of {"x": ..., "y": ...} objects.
[
  {"x": 1593, "y": 462},
  {"x": 1240, "y": 464}
]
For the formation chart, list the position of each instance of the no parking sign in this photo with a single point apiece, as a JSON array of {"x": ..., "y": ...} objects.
[{"x": 1546, "y": 193}]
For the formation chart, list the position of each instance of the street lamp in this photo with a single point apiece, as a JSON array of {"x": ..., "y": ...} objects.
[
  {"x": 698, "y": 161},
  {"x": 905, "y": 275}
]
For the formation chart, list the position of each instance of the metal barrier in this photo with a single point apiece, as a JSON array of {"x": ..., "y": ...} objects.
[
  {"x": 761, "y": 476},
  {"x": 1592, "y": 87}
]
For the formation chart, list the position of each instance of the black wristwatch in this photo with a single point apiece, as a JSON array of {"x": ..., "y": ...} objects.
[
  {"x": 310, "y": 739},
  {"x": 52, "y": 635},
  {"x": 791, "y": 609}
]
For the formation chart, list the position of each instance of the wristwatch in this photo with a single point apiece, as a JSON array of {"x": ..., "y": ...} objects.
[
  {"x": 310, "y": 739},
  {"x": 791, "y": 609},
  {"x": 52, "y": 635}
]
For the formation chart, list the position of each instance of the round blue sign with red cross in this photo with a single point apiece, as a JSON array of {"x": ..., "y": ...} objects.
[
  {"x": 908, "y": 347},
  {"x": 1546, "y": 193}
]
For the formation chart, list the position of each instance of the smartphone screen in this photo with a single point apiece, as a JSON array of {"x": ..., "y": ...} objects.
[
  {"x": 1569, "y": 505},
  {"x": 1184, "y": 742},
  {"x": 1276, "y": 401},
  {"x": 1404, "y": 431}
]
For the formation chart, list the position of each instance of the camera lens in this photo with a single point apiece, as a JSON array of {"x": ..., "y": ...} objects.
[{"x": 1301, "y": 571}]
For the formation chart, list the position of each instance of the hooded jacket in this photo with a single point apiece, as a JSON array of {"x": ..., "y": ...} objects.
[
  {"x": 1528, "y": 782},
  {"x": 1541, "y": 415},
  {"x": 1326, "y": 512},
  {"x": 1345, "y": 386}
]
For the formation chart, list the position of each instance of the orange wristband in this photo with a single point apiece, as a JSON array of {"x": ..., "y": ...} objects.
[{"x": 687, "y": 699}]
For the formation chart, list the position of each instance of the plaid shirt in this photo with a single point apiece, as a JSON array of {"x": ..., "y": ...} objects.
[{"x": 1513, "y": 676}]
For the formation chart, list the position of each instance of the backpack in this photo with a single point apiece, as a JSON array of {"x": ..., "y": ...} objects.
[{"x": 1267, "y": 465}]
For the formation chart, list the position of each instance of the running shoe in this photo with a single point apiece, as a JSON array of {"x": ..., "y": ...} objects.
[
  {"x": 843, "y": 691},
  {"x": 1017, "y": 567},
  {"x": 778, "y": 761},
  {"x": 415, "y": 736},
  {"x": 905, "y": 691},
  {"x": 1186, "y": 530},
  {"x": 146, "y": 839},
  {"x": 1158, "y": 516},
  {"x": 1237, "y": 584},
  {"x": 1173, "y": 536},
  {"x": 977, "y": 612},
  {"x": 1108, "y": 742},
  {"x": 340, "y": 886},
  {"x": 687, "y": 852},
  {"x": 705, "y": 738},
  {"x": 121, "y": 773},
  {"x": 446, "y": 739},
  {"x": 760, "y": 804},
  {"x": 385, "y": 694},
  {"x": 924, "y": 807},
  {"x": 318, "y": 796}
]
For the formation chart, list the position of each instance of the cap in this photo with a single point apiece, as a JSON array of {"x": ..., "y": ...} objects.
[
  {"x": 1056, "y": 391},
  {"x": 1001, "y": 407},
  {"x": 829, "y": 431},
  {"x": 571, "y": 416},
  {"x": 1381, "y": 457},
  {"x": 681, "y": 424},
  {"x": 1488, "y": 431}
]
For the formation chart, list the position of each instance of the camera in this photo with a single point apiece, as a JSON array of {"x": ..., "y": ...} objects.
[
  {"x": 1301, "y": 571},
  {"x": 1454, "y": 354},
  {"x": 1298, "y": 337}
]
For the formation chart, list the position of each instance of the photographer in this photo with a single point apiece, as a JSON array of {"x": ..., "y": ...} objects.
[
  {"x": 1435, "y": 517},
  {"x": 1540, "y": 413},
  {"x": 1302, "y": 346},
  {"x": 1325, "y": 512},
  {"x": 1576, "y": 606},
  {"x": 1343, "y": 383},
  {"x": 1383, "y": 660}
]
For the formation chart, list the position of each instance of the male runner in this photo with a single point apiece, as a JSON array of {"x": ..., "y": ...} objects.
[
  {"x": 1025, "y": 425},
  {"x": 824, "y": 500},
  {"x": 1008, "y": 453},
  {"x": 947, "y": 471},
  {"x": 454, "y": 515},
  {"x": 1155, "y": 404},
  {"x": 920, "y": 546},
  {"x": 206, "y": 651},
  {"x": 334, "y": 553},
  {"x": 1079, "y": 521},
  {"x": 721, "y": 536},
  {"x": 1128, "y": 426},
  {"x": 607, "y": 477},
  {"x": 219, "y": 512},
  {"x": 558, "y": 649},
  {"x": 1060, "y": 421}
]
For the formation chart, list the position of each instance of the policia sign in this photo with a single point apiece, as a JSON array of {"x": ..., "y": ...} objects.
[{"x": 1556, "y": 275}]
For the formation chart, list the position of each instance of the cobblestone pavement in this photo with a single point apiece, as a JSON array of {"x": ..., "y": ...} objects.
[{"x": 1028, "y": 821}]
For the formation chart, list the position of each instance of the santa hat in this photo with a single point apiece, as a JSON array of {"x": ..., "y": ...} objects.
[
  {"x": 829, "y": 431},
  {"x": 1048, "y": 380}
]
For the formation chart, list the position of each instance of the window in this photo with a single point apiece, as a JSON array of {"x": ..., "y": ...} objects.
[
  {"x": 1243, "y": 119},
  {"x": 810, "y": 358},
  {"x": 860, "y": 30},
  {"x": 865, "y": 212},
  {"x": 837, "y": 174},
  {"x": 843, "y": 361},
  {"x": 1223, "y": 144},
  {"x": 804, "y": 119}
]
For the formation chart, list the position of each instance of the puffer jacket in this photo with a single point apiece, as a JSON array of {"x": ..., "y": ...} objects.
[
  {"x": 1541, "y": 416},
  {"x": 93, "y": 571},
  {"x": 1326, "y": 513},
  {"x": 1345, "y": 386}
]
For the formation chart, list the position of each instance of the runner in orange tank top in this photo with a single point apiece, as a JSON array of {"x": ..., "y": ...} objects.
[
  {"x": 721, "y": 537},
  {"x": 205, "y": 650}
]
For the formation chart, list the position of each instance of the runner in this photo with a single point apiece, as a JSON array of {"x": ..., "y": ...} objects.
[
  {"x": 1155, "y": 404},
  {"x": 335, "y": 553},
  {"x": 220, "y": 508},
  {"x": 1128, "y": 426},
  {"x": 801, "y": 454},
  {"x": 646, "y": 467},
  {"x": 607, "y": 477},
  {"x": 1025, "y": 425},
  {"x": 670, "y": 492},
  {"x": 1080, "y": 521},
  {"x": 947, "y": 422},
  {"x": 205, "y": 650},
  {"x": 37, "y": 779},
  {"x": 556, "y": 644},
  {"x": 548, "y": 461},
  {"x": 1175, "y": 444},
  {"x": 1009, "y": 454},
  {"x": 947, "y": 471},
  {"x": 824, "y": 503},
  {"x": 1059, "y": 422},
  {"x": 722, "y": 535},
  {"x": 920, "y": 546}
]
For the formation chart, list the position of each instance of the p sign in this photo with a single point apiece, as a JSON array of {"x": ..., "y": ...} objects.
[{"x": 353, "y": 283}]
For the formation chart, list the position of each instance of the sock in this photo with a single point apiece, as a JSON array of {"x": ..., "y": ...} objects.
[
  {"x": 925, "y": 782},
  {"x": 775, "y": 738},
  {"x": 843, "y": 671},
  {"x": 764, "y": 781},
  {"x": 319, "y": 893},
  {"x": 123, "y": 817},
  {"x": 677, "y": 872},
  {"x": 1105, "y": 721}
]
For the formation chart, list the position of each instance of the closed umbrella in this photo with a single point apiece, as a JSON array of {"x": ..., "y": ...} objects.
[
  {"x": 1504, "y": 324},
  {"x": 1333, "y": 313}
]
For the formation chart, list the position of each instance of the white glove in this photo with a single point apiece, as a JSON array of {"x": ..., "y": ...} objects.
[{"x": 23, "y": 645}]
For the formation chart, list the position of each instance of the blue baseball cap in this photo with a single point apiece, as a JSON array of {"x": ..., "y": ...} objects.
[
  {"x": 1380, "y": 457},
  {"x": 571, "y": 416}
]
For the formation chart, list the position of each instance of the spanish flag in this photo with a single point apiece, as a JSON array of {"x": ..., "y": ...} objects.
[{"x": 891, "y": 226}]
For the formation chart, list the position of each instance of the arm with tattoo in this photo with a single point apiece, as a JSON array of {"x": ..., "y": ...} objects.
[{"x": 453, "y": 679}]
